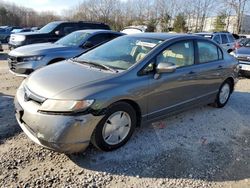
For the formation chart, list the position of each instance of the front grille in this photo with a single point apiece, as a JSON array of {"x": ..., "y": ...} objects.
[
  {"x": 31, "y": 96},
  {"x": 13, "y": 61}
]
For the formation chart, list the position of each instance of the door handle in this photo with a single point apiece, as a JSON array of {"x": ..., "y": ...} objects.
[
  {"x": 220, "y": 67},
  {"x": 191, "y": 72}
]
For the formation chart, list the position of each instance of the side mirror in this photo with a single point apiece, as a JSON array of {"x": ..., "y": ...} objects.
[
  {"x": 57, "y": 33},
  {"x": 88, "y": 44},
  {"x": 165, "y": 68}
]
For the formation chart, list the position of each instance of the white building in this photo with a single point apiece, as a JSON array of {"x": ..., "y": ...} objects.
[{"x": 230, "y": 24}]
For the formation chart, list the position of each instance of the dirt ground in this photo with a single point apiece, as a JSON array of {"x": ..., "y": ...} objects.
[{"x": 203, "y": 147}]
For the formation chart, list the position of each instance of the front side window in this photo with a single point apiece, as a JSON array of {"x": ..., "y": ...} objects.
[
  {"x": 231, "y": 38},
  {"x": 73, "y": 39},
  {"x": 181, "y": 54},
  {"x": 121, "y": 53},
  {"x": 208, "y": 52}
]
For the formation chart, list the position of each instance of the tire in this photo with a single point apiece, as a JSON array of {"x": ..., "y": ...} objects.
[
  {"x": 110, "y": 140},
  {"x": 223, "y": 94}
]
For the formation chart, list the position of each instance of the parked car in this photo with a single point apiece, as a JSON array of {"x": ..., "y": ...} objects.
[
  {"x": 26, "y": 59},
  {"x": 5, "y": 32},
  {"x": 241, "y": 42},
  {"x": 20, "y": 30},
  {"x": 102, "y": 95},
  {"x": 35, "y": 28},
  {"x": 134, "y": 29},
  {"x": 243, "y": 55},
  {"x": 52, "y": 32},
  {"x": 225, "y": 39}
]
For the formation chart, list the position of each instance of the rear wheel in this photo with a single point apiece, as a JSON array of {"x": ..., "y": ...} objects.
[
  {"x": 116, "y": 127},
  {"x": 223, "y": 94}
]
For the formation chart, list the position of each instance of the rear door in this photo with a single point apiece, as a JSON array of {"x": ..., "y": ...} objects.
[
  {"x": 209, "y": 69},
  {"x": 226, "y": 43}
]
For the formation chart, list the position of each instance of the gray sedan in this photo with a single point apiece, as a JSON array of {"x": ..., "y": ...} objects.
[
  {"x": 26, "y": 59},
  {"x": 102, "y": 95}
]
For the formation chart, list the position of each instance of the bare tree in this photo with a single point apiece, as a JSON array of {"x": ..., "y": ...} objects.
[{"x": 238, "y": 6}]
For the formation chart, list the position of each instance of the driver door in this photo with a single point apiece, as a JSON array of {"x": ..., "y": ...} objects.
[{"x": 172, "y": 91}]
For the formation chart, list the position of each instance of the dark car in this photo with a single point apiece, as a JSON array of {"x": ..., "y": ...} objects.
[
  {"x": 26, "y": 59},
  {"x": 52, "y": 32},
  {"x": 102, "y": 95},
  {"x": 243, "y": 55},
  {"x": 5, "y": 32}
]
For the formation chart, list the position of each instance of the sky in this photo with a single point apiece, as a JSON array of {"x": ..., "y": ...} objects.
[{"x": 46, "y": 5}]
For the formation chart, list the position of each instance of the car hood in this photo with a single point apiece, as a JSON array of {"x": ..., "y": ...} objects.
[
  {"x": 54, "y": 79},
  {"x": 31, "y": 33},
  {"x": 243, "y": 50},
  {"x": 40, "y": 49}
]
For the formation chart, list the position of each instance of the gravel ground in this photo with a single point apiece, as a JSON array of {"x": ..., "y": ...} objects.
[{"x": 203, "y": 147}]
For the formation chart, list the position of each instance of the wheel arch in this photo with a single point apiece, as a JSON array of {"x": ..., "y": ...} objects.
[
  {"x": 136, "y": 107},
  {"x": 231, "y": 80}
]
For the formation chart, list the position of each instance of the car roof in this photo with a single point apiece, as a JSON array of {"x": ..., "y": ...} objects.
[
  {"x": 97, "y": 31},
  {"x": 164, "y": 36}
]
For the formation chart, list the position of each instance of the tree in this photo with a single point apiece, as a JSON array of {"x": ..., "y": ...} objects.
[
  {"x": 219, "y": 24},
  {"x": 180, "y": 23},
  {"x": 238, "y": 6}
]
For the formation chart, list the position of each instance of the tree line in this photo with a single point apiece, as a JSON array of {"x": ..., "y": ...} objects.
[{"x": 163, "y": 15}]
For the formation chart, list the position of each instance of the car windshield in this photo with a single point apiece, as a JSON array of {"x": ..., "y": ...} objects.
[
  {"x": 121, "y": 53},
  {"x": 73, "y": 39},
  {"x": 49, "y": 27},
  {"x": 247, "y": 43}
]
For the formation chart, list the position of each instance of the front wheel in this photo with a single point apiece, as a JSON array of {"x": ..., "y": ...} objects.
[
  {"x": 115, "y": 128},
  {"x": 223, "y": 94}
]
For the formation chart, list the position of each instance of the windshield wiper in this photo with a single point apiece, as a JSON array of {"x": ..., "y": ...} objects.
[{"x": 105, "y": 67}]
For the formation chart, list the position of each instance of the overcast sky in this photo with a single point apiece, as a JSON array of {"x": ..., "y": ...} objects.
[
  {"x": 46, "y": 5},
  {"x": 59, "y": 5}
]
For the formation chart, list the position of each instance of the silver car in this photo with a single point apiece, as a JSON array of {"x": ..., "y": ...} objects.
[
  {"x": 26, "y": 59},
  {"x": 225, "y": 39},
  {"x": 243, "y": 55},
  {"x": 102, "y": 95}
]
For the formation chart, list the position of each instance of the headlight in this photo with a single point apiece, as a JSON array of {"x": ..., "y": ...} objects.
[
  {"x": 19, "y": 38},
  {"x": 33, "y": 58},
  {"x": 51, "y": 105},
  {"x": 233, "y": 54}
]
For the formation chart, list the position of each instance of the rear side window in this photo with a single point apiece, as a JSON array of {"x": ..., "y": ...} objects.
[
  {"x": 99, "y": 38},
  {"x": 231, "y": 38},
  {"x": 224, "y": 39},
  {"x": 208, "y": 52}
]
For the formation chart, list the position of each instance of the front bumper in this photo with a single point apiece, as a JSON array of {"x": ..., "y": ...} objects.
[
  {"x": 244, "y": 66},
  {"x": 24, "y": 68},
  {"x": 62, "y": 133}
]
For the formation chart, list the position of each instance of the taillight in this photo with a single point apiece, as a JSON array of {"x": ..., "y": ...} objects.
[{"x": 237, "y": 45}]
